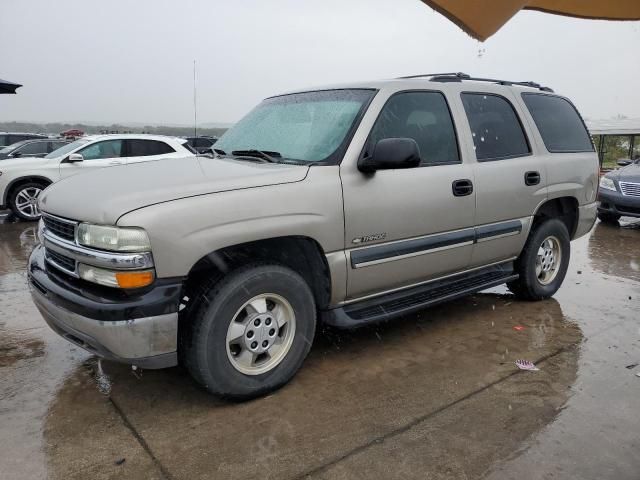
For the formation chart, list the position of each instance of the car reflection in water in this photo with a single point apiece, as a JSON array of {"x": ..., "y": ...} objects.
[{"x": 615, "y": 250}]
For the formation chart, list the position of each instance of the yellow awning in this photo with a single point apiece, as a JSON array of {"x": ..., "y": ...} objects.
[{"x": 483, "y": 18}]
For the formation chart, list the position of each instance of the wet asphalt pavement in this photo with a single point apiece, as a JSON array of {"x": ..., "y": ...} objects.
[{"x": 434, "y": 395}]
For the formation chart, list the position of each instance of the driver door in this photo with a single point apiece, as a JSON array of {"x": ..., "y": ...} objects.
[
  {"x": 105, "y": 153},
  {"x": 407, "y": 226}
]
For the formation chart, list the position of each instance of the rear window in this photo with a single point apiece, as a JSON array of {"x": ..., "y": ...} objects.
[
  {"x": 559, "y": 123},
  {"x": 495, "y": 127}
]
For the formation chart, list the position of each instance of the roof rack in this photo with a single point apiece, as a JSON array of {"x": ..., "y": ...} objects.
[{"x": 459, "y": 77}]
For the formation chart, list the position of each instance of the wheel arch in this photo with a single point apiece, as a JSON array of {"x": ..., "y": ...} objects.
[
  {"x": 302, "y": 254},
  {"x": 562, "y": 208},
  {"x": 22, "y": 180}
]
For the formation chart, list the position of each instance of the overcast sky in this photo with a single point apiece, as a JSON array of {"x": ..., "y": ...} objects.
[{"x": 131, "y": 61}]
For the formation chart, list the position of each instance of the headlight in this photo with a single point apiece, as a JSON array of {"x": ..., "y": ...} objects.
[
  {"x": 117, "y": 239},
  {"x": 117, "y": 279},
  {"x": 607, "y": 183}
]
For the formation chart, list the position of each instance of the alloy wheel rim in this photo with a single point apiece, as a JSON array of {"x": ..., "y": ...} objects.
[
  {"x": 548, "y": 260},
  {"x": 260, "y": 334},
  {"x": 27, "y": 202}
]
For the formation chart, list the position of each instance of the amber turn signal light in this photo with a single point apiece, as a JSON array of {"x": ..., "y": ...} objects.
[{"x": 134, "y": 279}]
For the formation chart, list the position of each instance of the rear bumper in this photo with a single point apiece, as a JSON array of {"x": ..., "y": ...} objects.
[
  {"x": 614, "y": 203},
  {"x": 147, "y": 341},
  {"x": 586, "y": 219}
]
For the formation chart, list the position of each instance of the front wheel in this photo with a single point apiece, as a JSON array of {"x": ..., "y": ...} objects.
[
  {"x": 543, "y": 263},
  {"x": 23, "y": 200},
  {"x": 250, "y": 332}
]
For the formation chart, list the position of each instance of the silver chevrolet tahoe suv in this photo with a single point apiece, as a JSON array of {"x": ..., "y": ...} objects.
[{"x": 346, "y": 205}]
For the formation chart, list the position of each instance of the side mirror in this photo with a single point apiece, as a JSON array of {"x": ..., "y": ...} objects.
[
  {"x": 16, "y": 154},
  {"x": 391, "y": 153},
  {"x": 75, "y": 157},
  {"x": 623, "y": 162}
]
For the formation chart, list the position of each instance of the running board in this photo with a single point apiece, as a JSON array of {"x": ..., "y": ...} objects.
[{"x": 407, "y": 301}]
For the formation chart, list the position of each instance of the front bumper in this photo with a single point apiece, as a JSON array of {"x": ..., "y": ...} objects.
[
  {"x": 614, "y": 203},
  {"x": 138, "y": 328}
]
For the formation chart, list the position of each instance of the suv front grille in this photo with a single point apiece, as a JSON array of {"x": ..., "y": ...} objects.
[
  {"x": 61, "y": 228},
  {"x": 61, "y": 261},
  {"x": 630, "y": 189}
]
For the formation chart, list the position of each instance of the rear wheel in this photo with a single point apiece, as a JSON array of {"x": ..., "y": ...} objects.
[
  {"x": 608, "y": 217},
  {"x": 543, "y": 263},
  {"x": 23, "y": 200},
  {"x": 250, "y": 332}
]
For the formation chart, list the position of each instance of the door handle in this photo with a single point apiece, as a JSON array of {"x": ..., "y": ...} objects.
[
  {"x": 115, "y": 162},
  {"x": 532, "y": 178},
  {"x": 462, "y": 187}
]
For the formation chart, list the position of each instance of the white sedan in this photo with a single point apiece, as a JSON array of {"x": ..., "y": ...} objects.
[{"x": 22, "y": 180}]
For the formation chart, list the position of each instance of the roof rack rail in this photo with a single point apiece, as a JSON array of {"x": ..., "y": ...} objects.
[{"x": 459, "y": 76}]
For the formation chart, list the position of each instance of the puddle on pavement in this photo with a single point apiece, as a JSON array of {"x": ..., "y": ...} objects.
[
  {"x": 381, "y": 390},
  {"x": 15, "y": 347},
  {"x": 354, "y": 387}
]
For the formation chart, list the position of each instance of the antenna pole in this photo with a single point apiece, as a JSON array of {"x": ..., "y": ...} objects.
[{"x": 195, "y": 110}]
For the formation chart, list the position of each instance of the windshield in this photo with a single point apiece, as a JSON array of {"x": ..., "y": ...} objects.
[
  {"x": 307, "y": 127},
  {"x": 70, "y": 147},
  {"x": 7, "y": 149}
]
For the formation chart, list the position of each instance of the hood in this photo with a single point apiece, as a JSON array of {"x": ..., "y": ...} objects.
[
  {"x": 21, "y": 163},
  {"x": 630, "y": 173},
  {"x": 105, "y": 194}
]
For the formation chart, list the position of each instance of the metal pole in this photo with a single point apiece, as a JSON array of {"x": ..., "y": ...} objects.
[
  {"x": 601, "y": 150},
  {"x": 195, "y": 108}
]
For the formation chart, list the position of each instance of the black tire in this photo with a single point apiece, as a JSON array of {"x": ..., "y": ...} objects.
[
  {"x": 205, "y": 354},
  {"x": 13, "y": 197},
  {"x": 528, "y": 286},
  {"x": 608, "y": 217}
]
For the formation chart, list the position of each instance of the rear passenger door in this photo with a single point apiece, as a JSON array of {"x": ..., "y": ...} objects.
[
  {"x": 407, "y": 226},
  {"x": 510, "y": 181},
  {"x": 145, "y": 150}
]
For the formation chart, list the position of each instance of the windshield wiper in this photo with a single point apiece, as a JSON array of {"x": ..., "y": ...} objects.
[{"x": 271, "y": 157}]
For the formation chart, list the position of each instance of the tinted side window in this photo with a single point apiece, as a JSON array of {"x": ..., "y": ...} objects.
[
  {"x": 56, "y": 145},
  {"x": 145, "y": 148},
  {"x": 34, "y": 148},
  {"x": 106, "y": 149},
  {"x": 558, "y": 122},
  {"x": 17, "y": 138},
  {"x": 202, "y": 142},
  {"x": 423, "y": 116},
  {"x": 495, "y": 127}
]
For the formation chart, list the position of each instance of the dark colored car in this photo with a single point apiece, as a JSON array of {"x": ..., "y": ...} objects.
[
  {"x": 7, "y": 139},
  {"x": 31, "y": 148},
  {"x": 202, "y": 144},
  {"x": 619, "y": 193}
]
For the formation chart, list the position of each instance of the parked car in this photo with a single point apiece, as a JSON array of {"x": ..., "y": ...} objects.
[
  {"x": 32, "y": 148},
  {"x": 346, "y": 206},
  {"x": 73, "y": 133},
  {"x": 7, "y": 139},
  {"x": 619, "y": 193},
  {"x": 202, "y": 144},
  {"x": 22, "y": 180}
]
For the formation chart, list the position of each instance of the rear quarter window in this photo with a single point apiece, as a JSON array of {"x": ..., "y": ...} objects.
[
  {"x": 145, "y": 148},
  {"x": 560, "y": 126}
]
